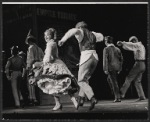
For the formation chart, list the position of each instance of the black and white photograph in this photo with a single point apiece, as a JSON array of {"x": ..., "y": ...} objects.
[{"x": 75, "y": 61}]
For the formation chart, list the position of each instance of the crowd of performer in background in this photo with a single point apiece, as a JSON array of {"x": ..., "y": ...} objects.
[{"x": 47, "y": 71}]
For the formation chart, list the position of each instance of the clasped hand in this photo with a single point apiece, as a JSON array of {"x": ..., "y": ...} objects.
[
  {"x": 60, "y": 43},
  {"x": 119, "y": 43}
]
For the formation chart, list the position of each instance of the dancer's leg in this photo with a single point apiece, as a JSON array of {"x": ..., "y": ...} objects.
[{"x": 57, "y": 103}]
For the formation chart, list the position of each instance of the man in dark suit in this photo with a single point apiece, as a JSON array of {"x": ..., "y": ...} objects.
[{"x": 112, "y": 65}]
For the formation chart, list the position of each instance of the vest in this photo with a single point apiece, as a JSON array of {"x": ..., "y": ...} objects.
[{"x": 88, "y": 42}]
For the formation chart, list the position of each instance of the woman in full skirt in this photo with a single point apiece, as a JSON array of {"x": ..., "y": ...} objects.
[{"x": 52, "y": 75}]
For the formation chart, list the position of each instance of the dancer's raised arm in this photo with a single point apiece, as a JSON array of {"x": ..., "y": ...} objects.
[{"x": 69, "y": 34}]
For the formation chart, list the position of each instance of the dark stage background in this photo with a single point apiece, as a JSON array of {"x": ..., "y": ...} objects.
[{"x": 118, "y": 20}]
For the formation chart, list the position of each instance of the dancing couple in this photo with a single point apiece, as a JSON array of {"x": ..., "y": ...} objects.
[{"x": 53, "y": 77}]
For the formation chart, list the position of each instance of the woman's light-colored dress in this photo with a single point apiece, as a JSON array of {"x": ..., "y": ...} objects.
[{"x": 52, "y": 66}]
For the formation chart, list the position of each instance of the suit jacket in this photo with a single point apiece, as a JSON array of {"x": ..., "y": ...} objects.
[
  {"x": 15, "y": 63},
  {"x": 112, "y": 58}
]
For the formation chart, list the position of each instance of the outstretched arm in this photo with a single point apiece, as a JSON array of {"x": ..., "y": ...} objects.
[
  {"x": 128, "y": 45},
  {"x": 69, "y": 34}
]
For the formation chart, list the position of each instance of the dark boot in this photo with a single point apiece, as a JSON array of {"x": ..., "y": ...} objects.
[
  {"x": 35, "y": 102},
  {"x": 30, "y": 102},
  {"x": 80, "y": 102},
  {"x": 117, "y": 100},
  {"x": 93, "y": 102},
  {"x": 22, "y": 103},
  {"x": 140, "y": 99},
  {"x": 122, "y": 95}
]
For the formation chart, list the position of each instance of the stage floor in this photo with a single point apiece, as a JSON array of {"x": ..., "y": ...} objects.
[{"x": 104, "y": 109}]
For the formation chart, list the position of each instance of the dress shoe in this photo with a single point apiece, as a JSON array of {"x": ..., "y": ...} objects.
[
  {"x": 141, "y": 98},
  {"x": 122, "y": 95},
  {"x": 17, "y": 107},
  {"x": 35, "y": 102},
  {"x": 80, "y": 102},
  {"x": 22, "y": 103},
  {"x": 30, "y": 103},
  {"x": 93, "y": 102},
  {"x": 117, "y": 100},
  {"x": 57, "y": 107}
]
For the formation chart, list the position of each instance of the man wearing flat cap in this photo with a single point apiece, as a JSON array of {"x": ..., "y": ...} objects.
[
  {"x": 138, "y": 68},
  {"x": 88, "y": 60}
]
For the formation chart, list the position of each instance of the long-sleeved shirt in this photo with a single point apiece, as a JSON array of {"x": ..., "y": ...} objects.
[
  {"x": 34, "y": 53},
  {"x": 112, "y": 58},
  {"x": 51, "y": 51},
  {"x": 137, "y": 48}
]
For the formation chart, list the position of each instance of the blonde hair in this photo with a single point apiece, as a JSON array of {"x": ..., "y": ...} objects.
[{"x": 52, "y": 32}]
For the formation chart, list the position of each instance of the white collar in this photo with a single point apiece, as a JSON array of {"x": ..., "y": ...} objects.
[{"x": 110, "y": 45}]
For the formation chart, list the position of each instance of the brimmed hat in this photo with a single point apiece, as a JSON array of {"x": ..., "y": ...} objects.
[{"x": 133, "y": 38}]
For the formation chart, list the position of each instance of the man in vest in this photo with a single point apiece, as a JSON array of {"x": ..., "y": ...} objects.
[{"x": 88, "y": 60}]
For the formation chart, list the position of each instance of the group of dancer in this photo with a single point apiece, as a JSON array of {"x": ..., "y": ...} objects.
[{"x": 52, "y": 76}]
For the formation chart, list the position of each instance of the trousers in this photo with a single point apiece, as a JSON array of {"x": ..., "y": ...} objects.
[
  {"x": 15, "y": 83},
  {"x": 84, "y": 74},
  {"x": 112, "y": 80},
  {"x": 135, "y": 75},
  {"x": 31, "y": 89}
]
